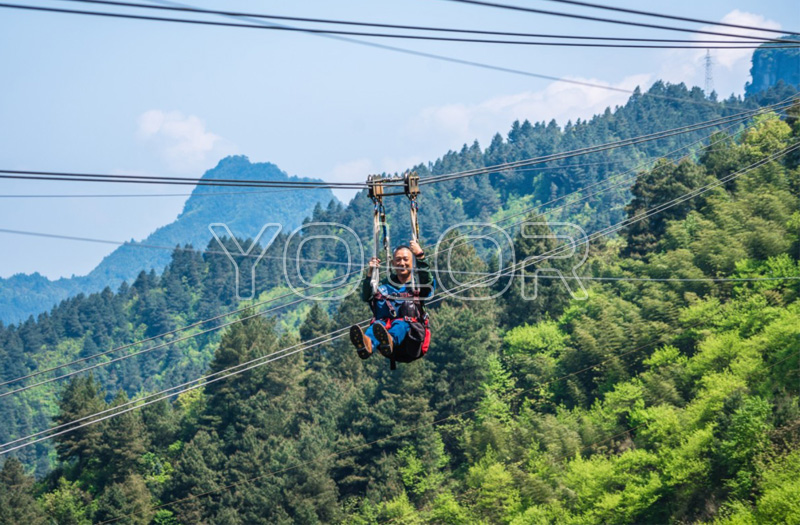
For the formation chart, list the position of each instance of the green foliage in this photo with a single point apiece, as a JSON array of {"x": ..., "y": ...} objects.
[
  {"x": 68, "y": 505},
  {"x": 652, "y": 401}
]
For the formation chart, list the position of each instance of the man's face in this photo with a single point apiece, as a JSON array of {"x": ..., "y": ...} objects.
[{"x": 403, "y": 263}]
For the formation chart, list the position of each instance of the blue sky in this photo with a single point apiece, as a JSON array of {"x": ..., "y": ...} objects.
[{"x": 123, "y": 96}]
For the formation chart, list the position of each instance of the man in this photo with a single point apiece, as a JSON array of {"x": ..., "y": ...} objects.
[{"x": 396, "y": 307}]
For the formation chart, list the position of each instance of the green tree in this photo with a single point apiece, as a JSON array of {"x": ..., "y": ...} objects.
[
  {"x": 128, "y": 502},
  {"x": 17, "y": 504},
  {"x": 67, "y": 504},
  {"x": 653, "y": 188},
  {"x": 124, "y": 441},
  {"x": 82, "y": 397}
]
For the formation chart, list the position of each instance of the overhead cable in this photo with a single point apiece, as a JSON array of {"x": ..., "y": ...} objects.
[
  {"x": 190, "y": 181},
  {"x": 105, "y": 14},
  {"x": 615, "y": 21},
  {"x": 673, "y": 17},
  {"x": 239, "y": 14},
  {"x": 137, "y": 404},
  {"x": 160, "y": 346},
  {"x": 603, "y": 147}
]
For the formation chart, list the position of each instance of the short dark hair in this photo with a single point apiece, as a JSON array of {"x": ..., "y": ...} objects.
[{"x": 401, "y": 247}]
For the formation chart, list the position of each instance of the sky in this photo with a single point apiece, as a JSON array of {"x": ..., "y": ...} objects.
[{"x": 87, "y": 94}]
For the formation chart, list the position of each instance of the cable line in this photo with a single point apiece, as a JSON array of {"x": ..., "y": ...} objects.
[
  {"x": 621, "y": 224},
  {"x": 610, "y": 145},
  {"x": 162, "y": 395},
  {"x": 636, "y": 279},
  {"x": 605, "y": 146},
  {"x": 671, "y": 17},
  {"x": 780, "y": 44},
  {"x": 136, "y": 195},
  {"x": 614, "y": 21},
  {"x": 618, "y": 184},
  {"x": 191, "y": 181},
  {"x": 237, "y": 14},
  {"x": 162, "y": 345},
  {"x": 82, "y": 177},
  {"x": 637, "y": 218}
]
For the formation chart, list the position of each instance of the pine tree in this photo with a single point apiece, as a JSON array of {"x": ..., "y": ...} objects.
[
  {"x": 82, "y": 397},
  {"x": 17, "y": 504},
  {"x": 129, "y": 502},
  {"x": 124, "y": 441}
]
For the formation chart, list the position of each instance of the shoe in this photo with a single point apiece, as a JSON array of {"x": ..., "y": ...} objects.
[
  {"x": 362, "y": 343},
  {"x": 384, "y": 338}
]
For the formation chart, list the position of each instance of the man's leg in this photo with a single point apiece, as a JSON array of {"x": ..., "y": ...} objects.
[
  {"x": 369, "y": 333},
  {"x": 398, "y": 331}
]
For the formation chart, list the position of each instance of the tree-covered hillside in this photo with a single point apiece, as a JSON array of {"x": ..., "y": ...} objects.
[{"x": 669, "y": 395}]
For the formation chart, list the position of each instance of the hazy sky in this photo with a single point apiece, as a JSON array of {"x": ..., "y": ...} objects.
[{"x": 123, "y": 96}]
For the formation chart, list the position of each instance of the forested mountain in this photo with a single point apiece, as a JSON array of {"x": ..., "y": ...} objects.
[
  {"x": 665, "y": 397},
  {"x": 244, "y": 210}
]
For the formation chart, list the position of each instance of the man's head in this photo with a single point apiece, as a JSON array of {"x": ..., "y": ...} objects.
[{"x": 403, "y": 262}]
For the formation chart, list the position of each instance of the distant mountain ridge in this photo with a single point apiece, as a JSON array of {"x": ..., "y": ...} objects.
[{"x": 244, "y": 210}]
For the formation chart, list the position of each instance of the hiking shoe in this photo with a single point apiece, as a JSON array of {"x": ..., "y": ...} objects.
[
  {"x": 362, "y": 343},
  {"x": 384, "y": 338}
]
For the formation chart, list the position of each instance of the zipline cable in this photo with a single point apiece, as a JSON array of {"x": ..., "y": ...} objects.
[
  {"x": 599, "y": 148},
  {"x": 673, "y": 17},
  {"x": 770, "y": 43},
  {"x": 157, "y": 347},
  {"x": 623, "y": 180},
  {"x": 82, "y": 177},
  {"x": 191, "y": 181},
  {"x": 137, "y": 195},
  {"x": 632, "y": 220},
  {"x": 238, "y": 14},
  {"x": 611, "y": 20}
]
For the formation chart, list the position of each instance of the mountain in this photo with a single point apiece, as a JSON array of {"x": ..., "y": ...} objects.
[
  {"x": 244, "y": 210},
  {"x": 771, "y": 66}
]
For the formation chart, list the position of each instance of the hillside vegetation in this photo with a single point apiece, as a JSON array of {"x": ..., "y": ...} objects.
[{"x": 665, "y": 397}]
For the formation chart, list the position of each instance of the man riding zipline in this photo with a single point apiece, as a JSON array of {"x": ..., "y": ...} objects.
[{"x": 399, "y": 328}]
